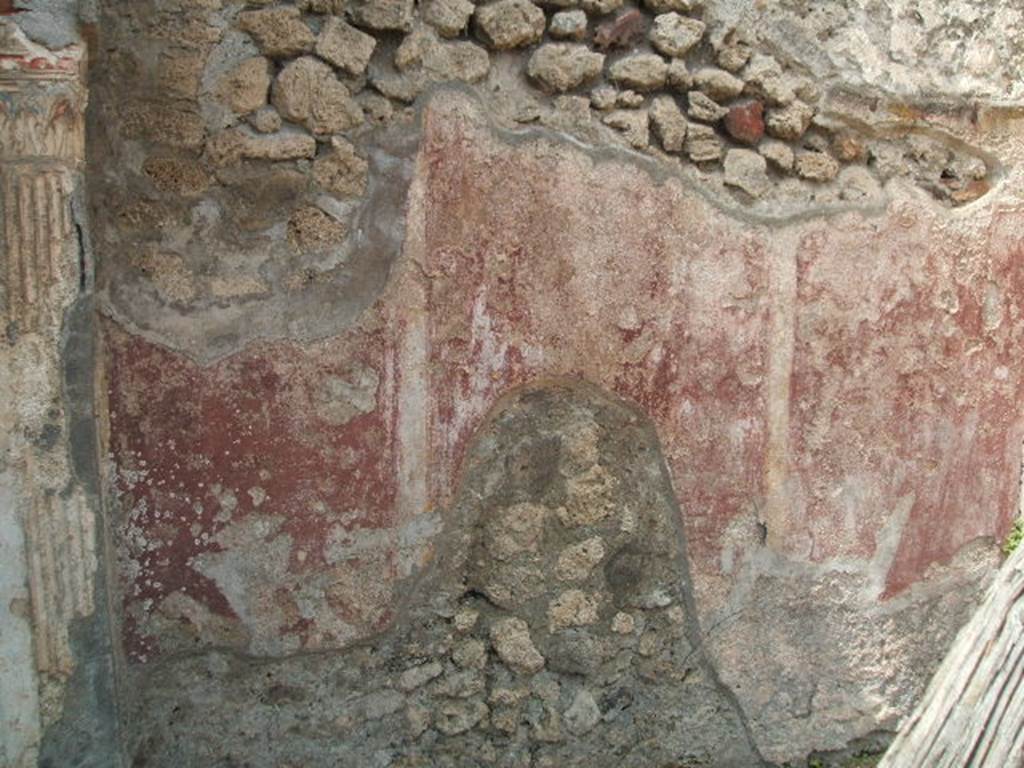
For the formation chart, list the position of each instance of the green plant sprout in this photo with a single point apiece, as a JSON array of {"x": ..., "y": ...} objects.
[{"x": 1014, "y": 537}]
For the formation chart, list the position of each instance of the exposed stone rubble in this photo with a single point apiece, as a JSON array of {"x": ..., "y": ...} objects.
[
  {"x": 552, "y": 631},
  {"x": 244, "y": 89},
  {"x": 382, "y": 15},
  {"x": 632, "y": 123},
  {"x": 674, "y": 35},
  {"x": 279, "y": 32},
  {"x": 702, "y": 107},
  {"x": 344, "y": 46},
  {"x": 642, "y": 71},
  {"x": 288, "y": 83},
  {"x": 571, "y": 25},
  {"x": 510, "y": 23},
  {"x": 747, "y": 170},
  {"x": 564, "y": 66},
  {"x": 307, "y": 92},
  {"x": 449, "y": 17},
  {"x": 702, "y": 144},
  {"x": 669, "y": 123}
]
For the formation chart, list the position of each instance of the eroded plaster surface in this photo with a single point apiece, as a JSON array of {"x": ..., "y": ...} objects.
[
  {"x": 555, "y": 627},
  {"x": 758, "y": 351}
]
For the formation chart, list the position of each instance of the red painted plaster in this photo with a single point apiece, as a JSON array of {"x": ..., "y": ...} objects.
[{"x": 901, "y": 394}]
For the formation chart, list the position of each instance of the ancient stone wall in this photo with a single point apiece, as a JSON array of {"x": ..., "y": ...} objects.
[{"x": 519, "y": 383}]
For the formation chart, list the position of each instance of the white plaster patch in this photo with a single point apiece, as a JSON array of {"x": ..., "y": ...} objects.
[{"x": 19, "y": 705}]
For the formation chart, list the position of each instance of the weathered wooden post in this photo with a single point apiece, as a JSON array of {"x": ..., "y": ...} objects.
[{"x": 972, "y": 715}]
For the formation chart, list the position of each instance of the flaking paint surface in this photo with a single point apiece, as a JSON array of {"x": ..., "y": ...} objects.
[{"x": 538, "y": 260}]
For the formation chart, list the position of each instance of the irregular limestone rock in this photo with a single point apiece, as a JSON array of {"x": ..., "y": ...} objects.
[
  {"x": 234, "y": 144},
  {"x": 623, "y": 623},
  {"x": 244, "y": 88},
  {"x": 678, "y": 77},
  {"x": 377, "y": 108},
  {"x": 702, "y": 143},
  {"x": 266, "y": 120},
  {"x": 344, "y": 46},
  {"x": 341, "y": 171},
  {"x": 764, "y": 78},
  {"x": 577, "y": 560},
  {"x": 423, "y": 58},
  {"x": 511, "y": 640},
  {"x": 669, "y": 123},
  {"x": 604, "y": 97},
  {"x": 414, "y": 677},
  {"x": 680, "y": 6},
  {"x": 466, "y": 619},
  {"x": 572, "y": 608},
  {"x": 312, "y": 229},
  {"x": 307, "y": 92},
  {"x": 279, "y": 32},
  {"x": 702, "y": 107},
  {"x": 734, "y": 49},
  {"x": 470, "y": 654},
  {"x": 422, "y": 51},
  {"x": 717, "y": 83},
  {"x": 173, "y": 124},
  {"x": 583, "y": 714},
  {"x": 629, "y": 99},
  {"x": 747, "y": 170},
  {"x": 508, "y": 24},
  {"x": 515, "y": 529},
  {"x": 816, "y": 166},
  {"x": 789, "y": 123},
  {"x": 642, "y": 71},
  {"x": 634, "y": 125},
  {"x": 563, "y": 66},
  {"x": 778, "y": 153},
  {"x": 568, "y": 25},
  {"x": 449, "y": 17},
  {"x": 848, "y": 149},
  {"x": 601, "y": 7},
  {"x": 179, "y": 74},
  {"x": 675, "y": 35},
  {"x": 458, "y": 717},
  {"x": 177, "y": 176},
  {"x": 382, "y": 15}
]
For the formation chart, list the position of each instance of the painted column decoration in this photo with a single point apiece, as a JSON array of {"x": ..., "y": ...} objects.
[{"x": 47, "y": 532}]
